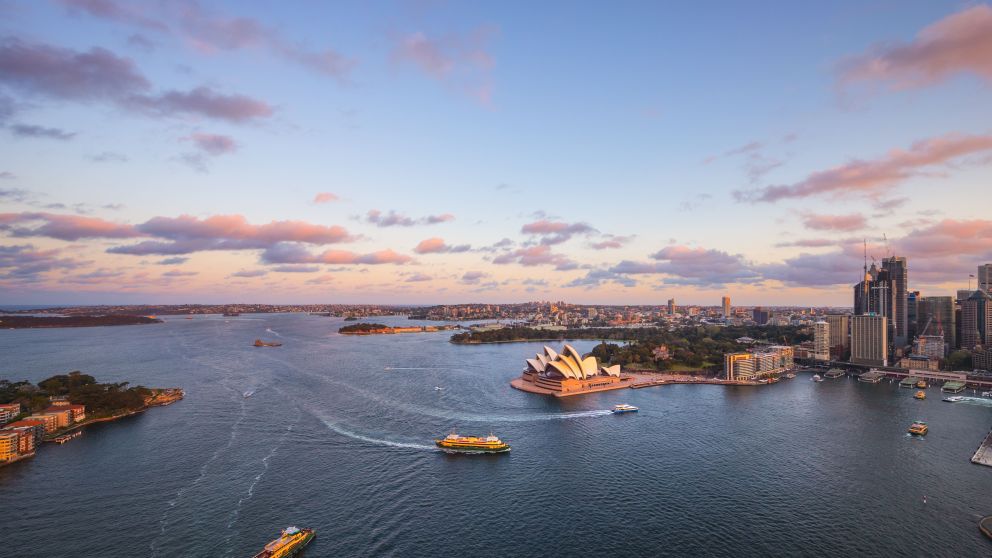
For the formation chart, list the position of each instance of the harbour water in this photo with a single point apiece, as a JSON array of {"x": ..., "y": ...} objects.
[{"x": 337, "y": 436}]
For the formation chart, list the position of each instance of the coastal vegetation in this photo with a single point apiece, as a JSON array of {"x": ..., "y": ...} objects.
[
  {"x": 101, "y": 400},
  {"x": 19, "y": 322},
  {"x": 363, "y": 328},
  {"x": 694, "y": 348}
]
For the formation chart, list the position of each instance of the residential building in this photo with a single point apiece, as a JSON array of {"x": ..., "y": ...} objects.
[
  {"x": 840, "y": 334},
  {"x": 821, "y": 341},
  {"x": 985, "y": 277},
  {"x": 898, "y": 288},
  {"x": 982, "y": 360},
  {"x": 50, "y": 422},
  {"x": 761, "y": 363},
  {"x": 8, "y": 411},
  {"x": 671, "y": 307},
  {"x": 8, "y": 445},
  {"x": 26, "y": 441},
  {"x": 760, "y": 316},
  {"x": 62, "y": 415},
  {"x": 725, "y": 306},
  {"x": 869, "y": 340},
  {"x": 35, "y": 427}
]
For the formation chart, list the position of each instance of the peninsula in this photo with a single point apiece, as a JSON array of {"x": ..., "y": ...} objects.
[
  {"x": 22, "y": 322},
  {"x": 380, "y": 329}
]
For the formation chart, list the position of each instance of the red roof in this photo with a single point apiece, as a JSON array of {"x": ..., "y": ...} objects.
[
  {"x": 5, "y": 405},
  {"x": 56, "y": 410},
  {"x": 25, "y": 422}
]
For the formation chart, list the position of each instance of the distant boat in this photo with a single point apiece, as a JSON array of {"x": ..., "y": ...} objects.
[
  {"x": 921, "y": 394},
  {"x": 260, "y": 343},
  {"x": 438, "y": 388},
  {"x": 624, "y": 408},
  {"x": 816, "y": 378},
  {"x": 248, "y": 394},
  {"x": 918, "y": 428}
]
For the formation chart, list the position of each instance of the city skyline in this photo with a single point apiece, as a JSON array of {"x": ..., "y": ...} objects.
[{"x": 437, "y": 154}]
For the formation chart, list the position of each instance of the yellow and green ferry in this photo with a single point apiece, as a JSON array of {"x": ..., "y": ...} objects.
[
  {"x": 292, "y": 540},
  {"x": 454, "y": 443}
]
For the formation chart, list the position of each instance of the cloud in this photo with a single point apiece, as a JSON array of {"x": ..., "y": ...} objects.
[
  {"x": 600, "y": 277},
  {"x": 249, "y": 273},
  {"x": 418, "y": 278},
  {"x": 109, "y": 157},
  {"x": 325, "y": 197},
  {"x": 871, "y": 178},
  {"x": 807, "y": 243},
  {"x": 436, "y": 245},
  {"x": 694, "y": 203},
  {"x": 113, "y": 11},
  {"x": 462, "y": 62},
  {"x": 555, "y": 232},
  {"x": 960, "y": 43},
  {"x": 890, "y": 205},
  {"x": 63, "y": 227},
  {"x": 393, "y": 219},
  {"x": 14, "y": 195},
  {"x": 296, "y": 269},
  {"x": 693, "y": 266},
  {"x": 100, "y": 75},
  {"x": 949, "y": 237},
  {"x": 32, "y": 131},
  {"x": 611, "y": 241},
  {"x": 816, "y": 270},
  {"x": 7, "y": 175},
  {"x": 141, "y": 42},
  {"x": 473, "y": 277},
  {"x": 23, "y": 263},
  {"x": 179, "y": 273},
  {"x": 289, "y": 253},
  {"x": 213, "y": 144},
  {"x": 536, "y": 255},
  {"x": 173, "y": 261},
  {"x": 852, "y": 222}
]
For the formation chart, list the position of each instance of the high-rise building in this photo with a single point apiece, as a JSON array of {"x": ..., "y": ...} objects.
[
  {"x": 935, "y": 316},
  {"x": 760, "y": 316},
  {"x": 821, "y": 341},
  {"x": 912, "y": 313},
  {"x": 985, "y": 277},
  {"x": 976, "y": 320},
  {"x": 897, "y": 289},
  {"x": 671, "y": 307},
  {"x": 840, "y": 334},
  {"x": 725, "y": 303},
  {"x": 869, "y": 340},
  {"x": 931, "y": 346}
]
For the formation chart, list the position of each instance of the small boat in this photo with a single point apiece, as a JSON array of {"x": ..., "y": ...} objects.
[
  {"x": 987, "y": 394},
  {"x": 920, "y": 395},
  {"x": 790, "y": 375},
  {"x": 816, "y": 378},
  {"x": 248, "y": 394},
  {"x": 624, "y": 408},
  {"x": 292, "y": 540},
  {"x": 453, "y": 443},
  {"x": 953, "y": 399},
  {"x": 438, "y": 388},
  {"x": 918, "y": 428},
  {"x": 921, "y": 384},
  {"x": 260, "y": 343}
]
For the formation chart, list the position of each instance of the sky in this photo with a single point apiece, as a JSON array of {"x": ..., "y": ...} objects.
[{"x": 422, "y": 152}]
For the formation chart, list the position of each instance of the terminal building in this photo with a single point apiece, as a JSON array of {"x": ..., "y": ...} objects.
[{"x": 757, "y": 364}]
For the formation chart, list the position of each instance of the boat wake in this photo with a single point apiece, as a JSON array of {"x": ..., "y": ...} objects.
[
  {"x": 982, "y": 401},
  {"x": 273, "y": 332},
  {"x": 375, "y": 441}
]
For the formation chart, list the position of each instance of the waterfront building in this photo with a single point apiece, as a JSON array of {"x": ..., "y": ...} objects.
[
  {"x": 869, "y": 340},
  {"x": 930, "y": 346},
  {"x": 35, "y": 427},
  {"x": 725, "y": 306},
  {"x": 760, "y": 363},
  {"x": 8, "y": 445},
  {"x": 63, "y": 416},
  {"x": 982, "y": 360},
  {"x": 821, "y": 341},
  {"x": 936, "y": 316},
  {"x": 898, "y": 288},
  {"x": 917, "y": 362},
  {"x": 568, "y": 373},
  {"x": 50, "y": 422},
  {"x": 8, "y": 411},
  {"x": 985, "y": 277},
  {"x": 976, "y": 320},
  {"x": 26, "y": 441},
  {"x": 840, "y": 334}
]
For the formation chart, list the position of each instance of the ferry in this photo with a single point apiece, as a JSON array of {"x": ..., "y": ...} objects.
[
  {"x": 921, "y": 395},
  {"x": 918, "y": 428},
  {"x": 260, "y": 343},
  {"x": 624, "y": 408},
  {"x": 816, "y": 378},
  {"x": 453, "y": 443},
  {"x": 921, "y": 384},
  {"x": 953, "y": 399},
  {"x": 292, "y": 540}
]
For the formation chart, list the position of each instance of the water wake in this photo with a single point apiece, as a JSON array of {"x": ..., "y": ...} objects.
[
  {"x": 273, "y": 332},
  {"x": 983, "y": 401},
  {"x": 375, "y": 441}
]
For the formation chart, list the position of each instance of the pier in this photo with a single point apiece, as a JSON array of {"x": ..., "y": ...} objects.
[
  {"x": 953, "y": 387},
  {"x": 983, "y": 456},
  {"x": 909, "y": 382},
  {"x": 834, "y": 373},
  {"x": 871, "y": 377}
]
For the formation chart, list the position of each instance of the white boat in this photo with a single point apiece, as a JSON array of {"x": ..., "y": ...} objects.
[
  {"x": 987, "y": 394},
  {"x": 438, "y": 388},
  {"x": 624, "y": 408},
  {"x": 816, "y": 378},
  {"x": 954, "y": 399},
  {"x": 248, "y": 394}
]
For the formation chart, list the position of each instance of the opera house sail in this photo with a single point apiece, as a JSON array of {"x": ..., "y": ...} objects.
[{"x": 567, "y": 373}]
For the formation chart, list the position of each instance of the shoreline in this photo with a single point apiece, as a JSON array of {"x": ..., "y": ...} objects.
[{"x": 172, "y": 394}]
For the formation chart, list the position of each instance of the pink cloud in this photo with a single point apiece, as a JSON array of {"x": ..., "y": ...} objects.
[
  {"x": 693, "y": 266},
  {"x": 473, "y": 277},
  {"x": 950, "y": 237},
  {"x": 852, "y": 222},
  {"x": 959, "y": 43},
  {"x": 325, "y": 197},
  {"x": 24, "y": 264},
  {"x": 611, "y": 242},
  {"x": 63, "y": 227},
  {"x": 459, "y": 61},
  {"x": 536, "y": 255},
  {"x": 286, "y": 253},
  {"x": 113, "y": 11},
  {"x": 202, "y": 101},
  {"x": 871, "y": 178},
  {"x": 213, "y": 144},
  {"x": 394, "y": 219},
  {"x": 555, "y": 232},
  {"x": 436, "y": 245}
]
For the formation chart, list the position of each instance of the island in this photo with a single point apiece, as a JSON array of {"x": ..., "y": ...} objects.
[
  {"x": 57, "y": 408},
  {"x": 379, "y": 329},
  {"x": 22, "y": 322}
]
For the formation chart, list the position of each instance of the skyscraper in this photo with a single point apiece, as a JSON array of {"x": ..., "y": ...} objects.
[
  {"x": 976, "y": 320},
  {"x": 821, "y": 341},
  {"x": 898, "y": 287},
  {"x": 840, "y": 340},
  {"x": 936, "y": 317},
  {"x": 869, "y": 340},
  {"x": 912, "y": 313},
  {"x": 985, "y": 277},
  {"x": 671, "y": 307},
  {"x": 725, "y": 302}
]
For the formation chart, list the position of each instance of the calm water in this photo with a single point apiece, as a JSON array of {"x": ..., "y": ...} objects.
[{"x": 338, "y": 437}]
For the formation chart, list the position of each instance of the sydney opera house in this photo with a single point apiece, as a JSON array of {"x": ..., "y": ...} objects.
[{"x": 567, "y": 373}]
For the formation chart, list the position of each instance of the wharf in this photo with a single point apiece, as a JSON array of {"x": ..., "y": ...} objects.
[
  {"x": 983, "y": 456},
  {"x": 909, "y": 382},
  {"x": 953, "y": 387},
  {"x": 834, "y": 373},
  {"x": 16, "y": 458},
  {"x": 871, "y": 377}
]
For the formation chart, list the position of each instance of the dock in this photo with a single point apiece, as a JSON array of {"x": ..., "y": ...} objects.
[
  {"x": 953, "y": 387},
  {"x": 834, "y": 373},
  {"x": 909, "y": 382},
  {"x": 983, "y": 456},
  {"x": 649, "y": 383},
  {"x": 871, "y": 377}
]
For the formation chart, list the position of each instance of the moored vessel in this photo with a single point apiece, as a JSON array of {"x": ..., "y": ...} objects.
[
  {"x": 454, "y": 443},
  {"x": 922, "y": 384},
  {"x": 918, "y": 428},
  {"x": 624, "y": 408},
  {"x": 920, "y": 395},
  {"x": 291, "y": 541}
]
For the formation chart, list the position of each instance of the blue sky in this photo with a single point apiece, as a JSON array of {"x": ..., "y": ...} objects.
[{"x": 630, "y": 124}]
